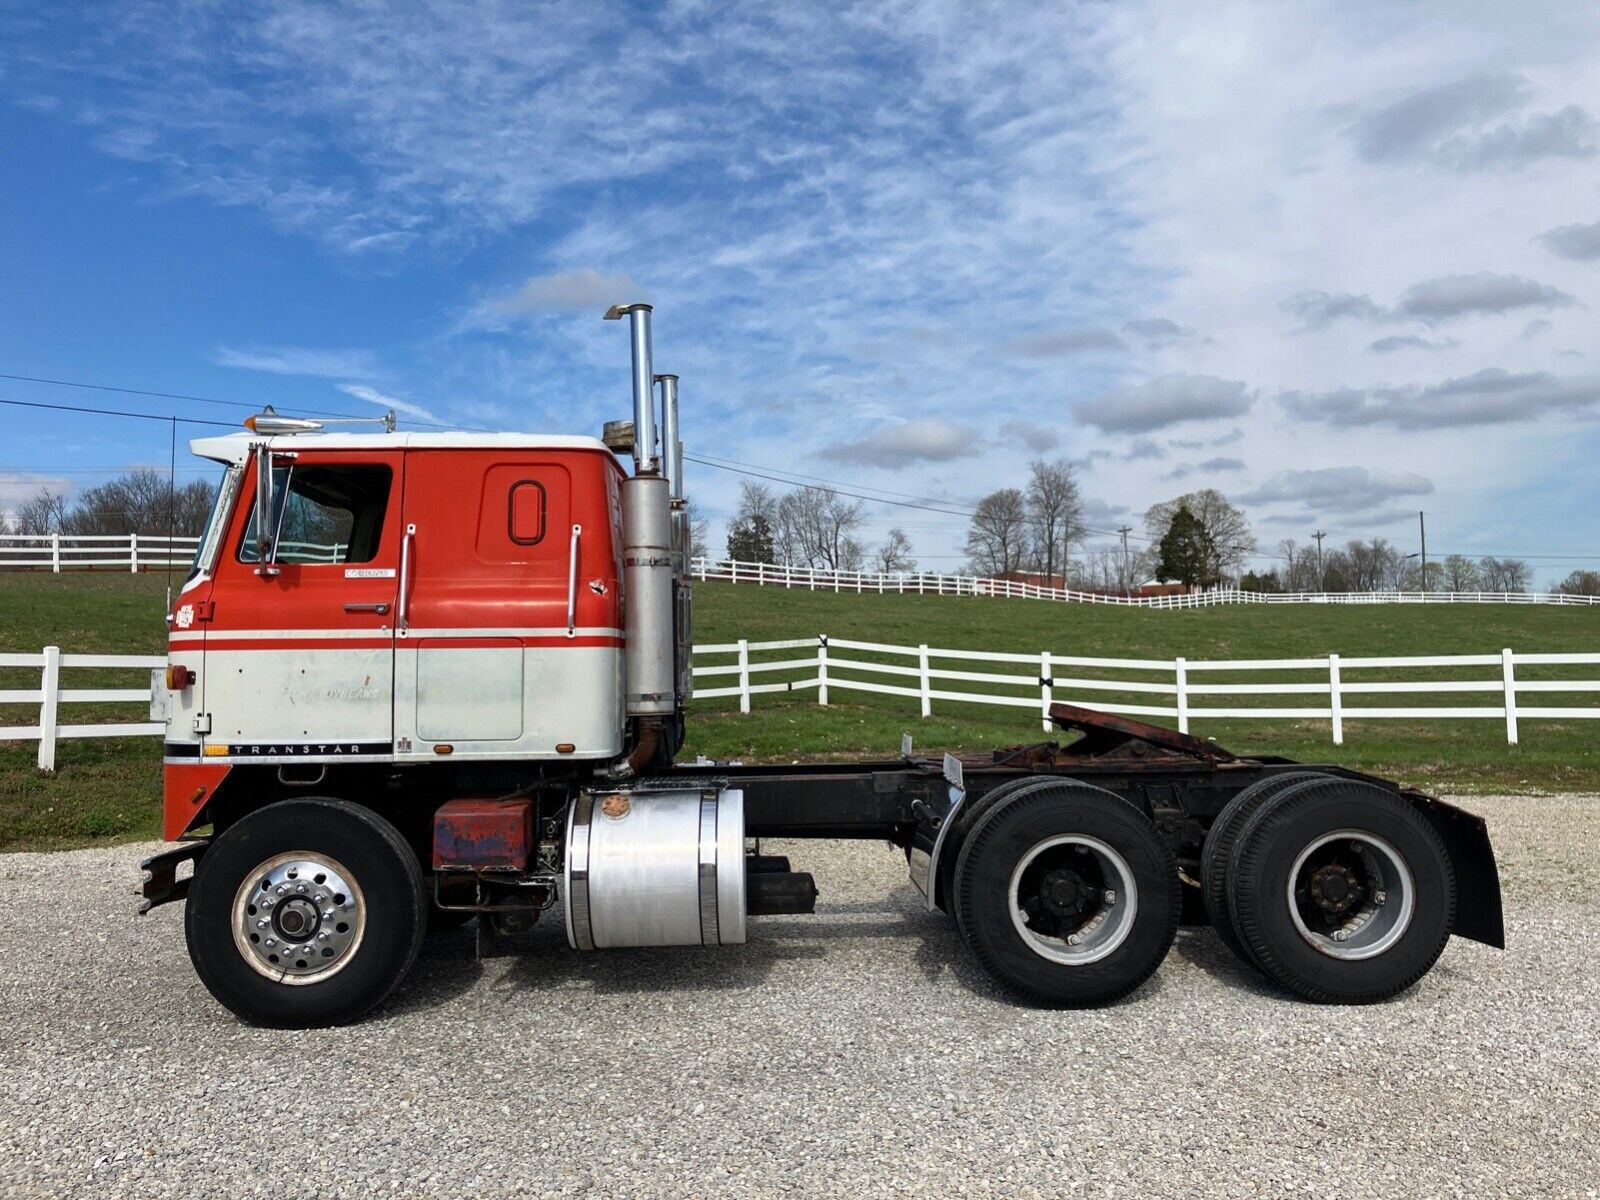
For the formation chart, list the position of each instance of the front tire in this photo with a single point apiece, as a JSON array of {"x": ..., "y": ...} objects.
[
  {"x": 1067, "y": 895},
  {"x": 1342, "y": 892},
  {"x": 305, "y": 913}
]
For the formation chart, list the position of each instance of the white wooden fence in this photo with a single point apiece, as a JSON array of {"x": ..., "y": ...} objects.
[
  {"x": 1181, "y": 690},
  {"x": 926, "y": 583},
  {"x": 130, "y": 551},
  {"x": 49, "y": 695},
  {"x": 59, "y": 552},
  {"x": 1189, "y": 690}
]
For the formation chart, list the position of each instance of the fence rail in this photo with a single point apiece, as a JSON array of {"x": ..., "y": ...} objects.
[
  {"x": 59, "y": 552},
  {"x": 927, "y": 583},
  {"x": 131, "y": 552},
  {"x": 49, "y": 695},
  {"x": 1186, "y": 688},
  {"x": 1178, "y": 689}
]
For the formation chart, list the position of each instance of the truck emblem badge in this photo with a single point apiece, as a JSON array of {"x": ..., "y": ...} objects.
[
  {"x": 597, "y": 587},
  {"x": 184, "y": 617}
]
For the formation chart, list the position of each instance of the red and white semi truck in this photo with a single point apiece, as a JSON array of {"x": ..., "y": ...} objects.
[{"x": 417, "y": 678}]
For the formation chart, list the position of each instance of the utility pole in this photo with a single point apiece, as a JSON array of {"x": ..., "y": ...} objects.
[
  {"x": 1321, "y": 579},
  {"x": 1124, "y": 531},
  {"x": 1422, "y": 530}
]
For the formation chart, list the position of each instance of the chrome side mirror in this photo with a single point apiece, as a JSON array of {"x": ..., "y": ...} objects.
[{"x": 266, "y": 549}]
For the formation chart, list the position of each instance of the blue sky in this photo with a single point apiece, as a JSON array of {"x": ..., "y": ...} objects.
[{"x": 1340, "y": 261}]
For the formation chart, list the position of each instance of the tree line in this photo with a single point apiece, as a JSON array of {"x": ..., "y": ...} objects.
[
  {"x": 141, "y": 501},
  {"x": 810, "y": 527}
]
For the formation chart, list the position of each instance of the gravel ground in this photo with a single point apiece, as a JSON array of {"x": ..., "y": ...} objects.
[{"x": 858, "y": 1052}]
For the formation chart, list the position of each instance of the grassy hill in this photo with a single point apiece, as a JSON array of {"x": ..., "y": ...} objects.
[{"x": 108, "y": 789}]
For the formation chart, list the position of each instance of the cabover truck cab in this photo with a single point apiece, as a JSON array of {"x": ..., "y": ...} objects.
[{"x": 417, "y": 679}]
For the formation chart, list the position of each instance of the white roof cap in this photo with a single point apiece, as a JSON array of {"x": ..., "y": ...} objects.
[{"x": 235, "y": 447}]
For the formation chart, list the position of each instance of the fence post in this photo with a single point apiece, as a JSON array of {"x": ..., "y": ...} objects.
[
  {"x": 925, "y": 682},
  {"x": 733, "y": 570},
  {"x": 55, "y": 553},
  {"x": 133, "y": 553},
  {"x": 1182, "y": 671},
  {"x": 1044, "y": 689},
  {"x": 1335, "y": 700},
  {"x": 744, "y": 675},
  {"x": 822, "y": 669},
  {"x": 1509, "y": 673},
  {"x": 49, "y": 696}
]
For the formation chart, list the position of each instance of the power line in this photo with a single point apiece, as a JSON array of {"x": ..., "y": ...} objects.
[
  {"x": 126, "y": 391},
  {"x": 119, "y": 412}
]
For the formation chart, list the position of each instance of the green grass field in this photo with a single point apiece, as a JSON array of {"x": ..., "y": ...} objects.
[{"x": 109, "y": 789}]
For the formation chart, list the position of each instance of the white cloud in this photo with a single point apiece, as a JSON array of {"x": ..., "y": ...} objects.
[
  {"x": 383, "y": 400},
  {"x": 1489, "y": 397},
  {"x": 895, "y": 446},
  {"x": 584, "y": 289},
  {"x": 296, "y": 360},
  {"x": 1339, "y": 489},
  {"x": 1165, "y": 401},
  {"x": 1067, "y": 341},
  {"x": 1576, "y": 241},
  {"x": 19, "y": 486}
]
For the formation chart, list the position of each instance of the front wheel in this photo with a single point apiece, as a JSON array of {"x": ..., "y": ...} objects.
[
  {"x": 305, "y": 913},
  {"x": 1067, "y": 895}
]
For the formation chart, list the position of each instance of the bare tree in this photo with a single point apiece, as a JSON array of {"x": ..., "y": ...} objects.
[
  {"x": 699, "y": 530},
  {"x": 1580, "y": 583},
  {"x": 142, "y": 501},
  {"x": 1055, "y": 508},
  {"x": 817, "y": 529},
  {"x": 752, "y": 533},
  {"x": 42, "y": 515},
  {"x": 1459, "y": 573},
  {"x": 1505, "y": 574},
  {"x": 1224, "y": 523},
  {"x": 997, "y": 542},
  {"x": 895, "y": 554},
  {"x": 1373, "y": 565},
  {"x": 1299, "y": 569}
]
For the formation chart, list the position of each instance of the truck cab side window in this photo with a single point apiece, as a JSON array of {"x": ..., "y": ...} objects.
[
  {"x": 527, "y": 503},
  {"x": 329, "y": 515}
]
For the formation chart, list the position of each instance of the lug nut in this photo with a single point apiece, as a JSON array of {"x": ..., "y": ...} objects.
[
  {"x": 272, "y": 941},
  {"x": 1341, "y": 935},
  {"x": 261, "y": 924},
  {"x": 1380, "y": 897},
  {"x": 1074, "y": 938},
  {"x": 1110, "y": 897}
]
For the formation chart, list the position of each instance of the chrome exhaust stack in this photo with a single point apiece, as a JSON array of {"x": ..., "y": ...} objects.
[
  {"x": 645, "y": 459},
  {"x": 648, "y": 554}
]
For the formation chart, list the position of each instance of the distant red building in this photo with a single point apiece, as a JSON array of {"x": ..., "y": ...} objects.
[{"x": 1161, "y": 587}]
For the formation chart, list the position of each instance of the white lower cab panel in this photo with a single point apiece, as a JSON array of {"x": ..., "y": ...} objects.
[
  {"x": 271, "y": 696},
  {"x": 508, "y": 702}
]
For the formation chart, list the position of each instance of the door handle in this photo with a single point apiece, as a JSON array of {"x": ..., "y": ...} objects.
[{"x": 380, "y": 609}]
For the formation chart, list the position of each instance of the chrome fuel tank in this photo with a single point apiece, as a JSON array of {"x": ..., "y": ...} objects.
[{"x": 655, "y": 868}]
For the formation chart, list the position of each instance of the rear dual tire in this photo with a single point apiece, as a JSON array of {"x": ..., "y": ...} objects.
[
  {"x": 1066, "y": 895},
  {"x": 1338, "y": 890}
]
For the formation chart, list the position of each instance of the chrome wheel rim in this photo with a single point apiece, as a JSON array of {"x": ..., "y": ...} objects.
[
  {"x": 1072, "y": 899},
  {"x": 1351, "y": 894},
  {"x": 299, "y": 918}
]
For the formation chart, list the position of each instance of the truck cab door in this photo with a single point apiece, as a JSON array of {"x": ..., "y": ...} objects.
[{"x": 300, "y": 651}]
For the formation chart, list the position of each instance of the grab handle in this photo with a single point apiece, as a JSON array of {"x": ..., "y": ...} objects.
[
  {"x": 572, "y": 583},
  {"x": 402, "y": 621}
]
